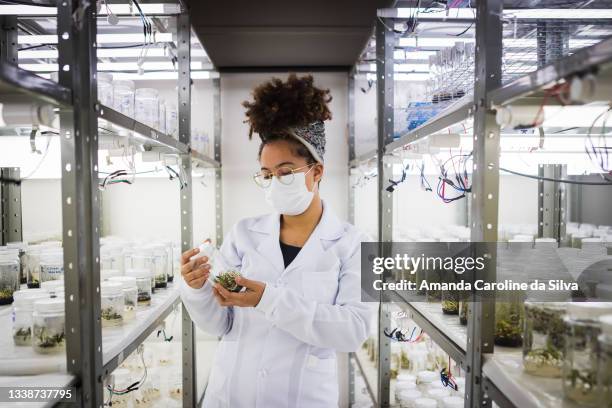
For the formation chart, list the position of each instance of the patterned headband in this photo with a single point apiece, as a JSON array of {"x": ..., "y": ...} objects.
[{"x": 313, "y": 138}]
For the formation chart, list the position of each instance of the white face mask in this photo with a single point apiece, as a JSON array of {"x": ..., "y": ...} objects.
[{"x": 289, "y": 199}]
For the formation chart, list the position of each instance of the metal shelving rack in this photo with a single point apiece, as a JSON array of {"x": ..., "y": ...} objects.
[
  {"x": 490, "y": 376},
  {"x": 75, "y": 96}
]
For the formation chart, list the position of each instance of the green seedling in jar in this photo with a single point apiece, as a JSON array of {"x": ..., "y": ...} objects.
[
  {"x": 111, "y": 314},
  {"x": 580, "y": 386},
  {"x": 23, "y": 336},
  {"x": 228, "y": 281},
  {"x": 46, "y": 341},
  {"x": 450, "y": 307},
  {"x": 544, "y": 340},
  {"x": 6, "y": 296}
]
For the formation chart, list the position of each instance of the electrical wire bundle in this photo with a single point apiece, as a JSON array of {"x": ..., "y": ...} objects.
[
  {"x": 459, "y": 181},
  {"x": 132, "y": 387},
  {"x": 395, "y": 183},
  {"x": 398, "y": 335},
  {"x": 598, "y": 154},
  {"x": 116, "y": 177},
  {"x": 173, "y": 174}
]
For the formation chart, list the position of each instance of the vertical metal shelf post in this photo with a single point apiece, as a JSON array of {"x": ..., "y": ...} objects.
[
  {"x": 217, "y": 152},
  {"x": 10, "y": 205},
  {"x": 80, "y": 202},
  {"x": 184, "y": 117},
  {"x": 552, "y": 202},
  {"x": 485, "y": 189},
  {"x": 351, "y": 200},
  {"x": 385, "y": 44}
]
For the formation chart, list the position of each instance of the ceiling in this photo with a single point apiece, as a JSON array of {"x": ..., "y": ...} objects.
[{"x": 284, "y": 34}]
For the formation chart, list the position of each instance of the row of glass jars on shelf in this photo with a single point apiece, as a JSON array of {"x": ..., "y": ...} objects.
[{"x": 142, "y": 104}]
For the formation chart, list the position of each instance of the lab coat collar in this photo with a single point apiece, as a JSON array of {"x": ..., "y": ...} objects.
[{"x": 329, "y": 228}]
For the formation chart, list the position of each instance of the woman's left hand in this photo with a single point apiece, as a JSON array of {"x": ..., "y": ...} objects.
[{"x": 247, "y": 298}]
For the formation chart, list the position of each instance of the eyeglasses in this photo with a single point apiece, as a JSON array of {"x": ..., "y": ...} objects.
[{"x": 285, "y": 175}]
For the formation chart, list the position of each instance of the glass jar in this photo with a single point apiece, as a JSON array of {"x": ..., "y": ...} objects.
[
  {"x": 48, "y": 326},
  {"x": 105, "y": 88},
  {"x": 580, "y": 365},
  {"x": 160, "y": 266},
  {"x": 130, "y": 295},
  {"x": 51, "y": 266},
  {"x": 407, "y": 398},
  {"x": 424, "y": 403},
  {"x": 123, "y": 97},
  {"x": 112, "y": 303},
  {"x": 425, "y": 379},
  {"x": 147, "y": 106},
  {"x": 107, "y": 274},
  {"x": 450, "y": 302},
  {"x": 162, "y": 116},
  {"x": 438, "y": 394},
  {"x": 21, "y": 247},
  {"x": 143, "y": 284},
  {"x": 23, "y": 307},
  {"x": 32, "y": 265},
  {"x": 509, "y": 319},
  {"x": 543, "y": 338},
  {"x": 172, "y": 120},
  {"x": 9, "y": 276},
  {"x": 403, "y": 386},
  {"x": 111, "y": 257},
  {"x": 170, "y": 260},
  {"x": 463, "y": 312}
]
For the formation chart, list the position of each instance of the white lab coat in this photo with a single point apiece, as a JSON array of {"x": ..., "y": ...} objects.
[{"x": 282, "y": 353}]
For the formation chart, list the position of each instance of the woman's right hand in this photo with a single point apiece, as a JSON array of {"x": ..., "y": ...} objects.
[{"x": 195, "y": 272}]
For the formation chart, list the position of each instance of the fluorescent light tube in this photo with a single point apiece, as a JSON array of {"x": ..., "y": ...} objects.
[
  {"x": 153, "y": 76},
  {"x": 101, "y": 38},
  {"x": 422, "y": 68},
  {"x": 508, "y": 42},
  {"x": 467, "y": 13},
  {"x": 115, "y": 66},
  {"x": 117, "y": 9},
  {"x": 107, "y": 53}
]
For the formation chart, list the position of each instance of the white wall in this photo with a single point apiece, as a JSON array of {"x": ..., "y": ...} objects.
[{"x": 241, "y": 196}]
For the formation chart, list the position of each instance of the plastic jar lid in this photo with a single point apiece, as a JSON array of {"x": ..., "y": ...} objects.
[
  {"x": 138, "y": 273},
  {"x": 605, "y": 320},
  {"x": 106, "y": 274},
  {"x": 427, "y": 376},
  {"x": 453, "y": 402},
  {"x": 26, "y": 298},
  {"x": 406, "y": 377},
  {"x": 410, "y": 395},
  {"x": 405, "y": 385},
  {"x": 438, "y": 393},
  {"x": 588, "y": 310},
  {"x": 127, "y": 282},
  {"x": 110, "y": 288},
  {"x": 49, "y": 306},
  {"x": 425, "y": 403},
  {"x": 52, "y": 285}
]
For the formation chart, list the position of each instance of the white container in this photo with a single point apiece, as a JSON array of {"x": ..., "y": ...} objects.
[
  {"x": 401, "y": 386},
  {"x": 147, "y": 106},
  {"x": 123, "y": 97},
  {"x": 111, "y": 297},
  {"x": 453, "y": 402},
  {"x": 143, "y": 283},
  {"x": 427, "y": 379},
  {"x": 32, "y": 265},
  {"x": 407, "y": 398},
  {"x": 52, "y": 265},
  {"x": 48, "y": 326},
  {"x": 172, "y": 121},
  {"x": 23, "y": 308},
  {"x": 160, "y": 265},
  {"x": 111, "y": 257},
  {"x": 425, "y": 403},
  {"x": 107, "y": 274},
  {"x": 105, "y": 88},
  {"x": 438, "y": 394},
  {"x": 130, "y": 295}
]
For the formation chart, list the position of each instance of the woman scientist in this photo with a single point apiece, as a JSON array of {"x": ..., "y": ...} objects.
[{"x": 300, "y": 266}]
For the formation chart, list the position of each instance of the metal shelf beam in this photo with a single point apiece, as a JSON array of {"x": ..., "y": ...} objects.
[
  {"x": 584, "y": 60},
  {"x": 14, "y": 80},
  {"x": 365, "y": 376}
]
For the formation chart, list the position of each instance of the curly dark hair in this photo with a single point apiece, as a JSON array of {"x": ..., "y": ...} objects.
[{"x": 279, "y": 105}]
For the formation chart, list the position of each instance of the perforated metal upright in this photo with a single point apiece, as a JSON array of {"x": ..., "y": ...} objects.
[
  {"x": 485, "y": 190},
  {"x": 552, "y": 202},
  {"x": 80, "y": 202},
  {"x": 10, "y": 205},
  {"x": 385, "y": 44},
  {"x": 217, "y": 152},
  {"x": 184, "y": 118}
]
